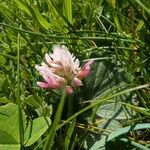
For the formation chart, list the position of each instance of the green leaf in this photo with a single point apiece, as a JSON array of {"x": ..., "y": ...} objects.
[
  {"x": 23, "y": 7},
  {"x": 109, "y": 125},
  {"x": 140, "y": 25},
  {"x": 4, "y": 100},
  {"x": 4, "y": 10},
  {"x": 143, "y": 6},
  {"x": 45, "y": 111},
  {"x": 9, "y": 120},
  {"x": 10, "y": 147},
  {"x": 135, "y": 144},
  {"x": 39, "y": 105},
  {"x": 32, "y": 10},
  {"x": 137, "y": 109},
  {"x": 67, "y": 10},
  {"x": 102, "y": 78},
  {"x": 7, "y": 142},
  {"x": 104, "y": 127},
  {"x": 127, "y": 129},
  {"x": 89, "y": 140},
  {"x": 2, "y": 60},
  {"x": 34, "y": 101},
  {"x": 114, "y": 110},
  {"x": 40, "y": 18},
  {"x": 36, "y": 129},
  {"x": 118, "y": 133},
  {"x": 25, "y": 74},
  {"x": 6, "y": 138}
]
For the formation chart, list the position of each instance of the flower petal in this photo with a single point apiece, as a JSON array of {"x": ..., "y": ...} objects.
[
  {"x": 42, "y": 84},
  {"x": 77, "y": 82},
  {"x": 69, "y": 90},
  {"x": 85, "y": 69},
  {"x": 87, "y": 64},
  {"x": 62, "y": 69},
  {"x": 39, "y": 68},
  {"x": 47, "y": 58}
]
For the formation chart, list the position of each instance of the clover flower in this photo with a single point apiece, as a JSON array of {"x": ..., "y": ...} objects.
[{"x": 61, "y": 69}]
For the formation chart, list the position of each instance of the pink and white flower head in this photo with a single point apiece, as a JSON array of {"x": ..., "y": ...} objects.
[{"x": 62, "y": 70}]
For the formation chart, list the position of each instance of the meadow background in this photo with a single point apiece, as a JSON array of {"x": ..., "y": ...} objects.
[{"x": 112, "y": 108}]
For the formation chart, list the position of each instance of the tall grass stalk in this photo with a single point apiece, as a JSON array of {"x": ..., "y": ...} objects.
[
  {"x": 21, "y": 130},
  {"x": 52, "y": 132},
  {"x": 101, "y": 101}
]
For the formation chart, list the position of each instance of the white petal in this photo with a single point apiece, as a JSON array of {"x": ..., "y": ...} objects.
[{"x": 48, "y": 59}]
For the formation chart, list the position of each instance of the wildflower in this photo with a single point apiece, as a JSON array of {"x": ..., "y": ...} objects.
[{"x": 61, "y": 69}]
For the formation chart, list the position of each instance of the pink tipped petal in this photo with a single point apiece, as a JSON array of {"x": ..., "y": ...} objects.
[
  {"x": 77, "y": 82},
  {"x": 43, "y": 85},
  {"x": 84, "y": 73},
  {"x": 51, "y": 82},
  {"x": 55, "y": 86},
  {"x": 87, "y": 64},
  {"x": 47, "y": 79},
  {"x": 54, "y": 81},
  {"x": 42, "y": 69},
  {"x": 69, "y": 90},
  {"x": 62, "y": 69},
  {"x": 85, "y": 69}
]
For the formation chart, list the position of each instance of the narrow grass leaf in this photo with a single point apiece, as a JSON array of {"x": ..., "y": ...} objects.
[
  {"x": 69, "y": 134},
  {"x": 40, "y": 18},
  {"x": 23, "y": 7},
  {"x": 135, "y": 144},
  {"x": 119, "y": 132}
]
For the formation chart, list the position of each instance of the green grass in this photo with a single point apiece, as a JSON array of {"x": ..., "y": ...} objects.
[{"x": 115, "y": 34}]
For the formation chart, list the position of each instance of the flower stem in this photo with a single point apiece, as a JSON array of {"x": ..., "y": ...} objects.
[
  {"x": 70, "y": 106},
  {"x": 50, "y": 138}
]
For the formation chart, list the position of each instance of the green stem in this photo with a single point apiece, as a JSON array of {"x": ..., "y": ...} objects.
[
  {"x": 100, "y": 101},
  {"x": 72, "y": 37},
  {"x": 21, "y": 132},
  {"x": 70, "y": 106},
  {"x": 143, "y": 6},
  {"x": 70, "y": 127},
  {"x": 50, "y": 138}
]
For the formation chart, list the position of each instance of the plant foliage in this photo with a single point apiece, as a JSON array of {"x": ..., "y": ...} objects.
[{"x": 111, "y": 109}]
